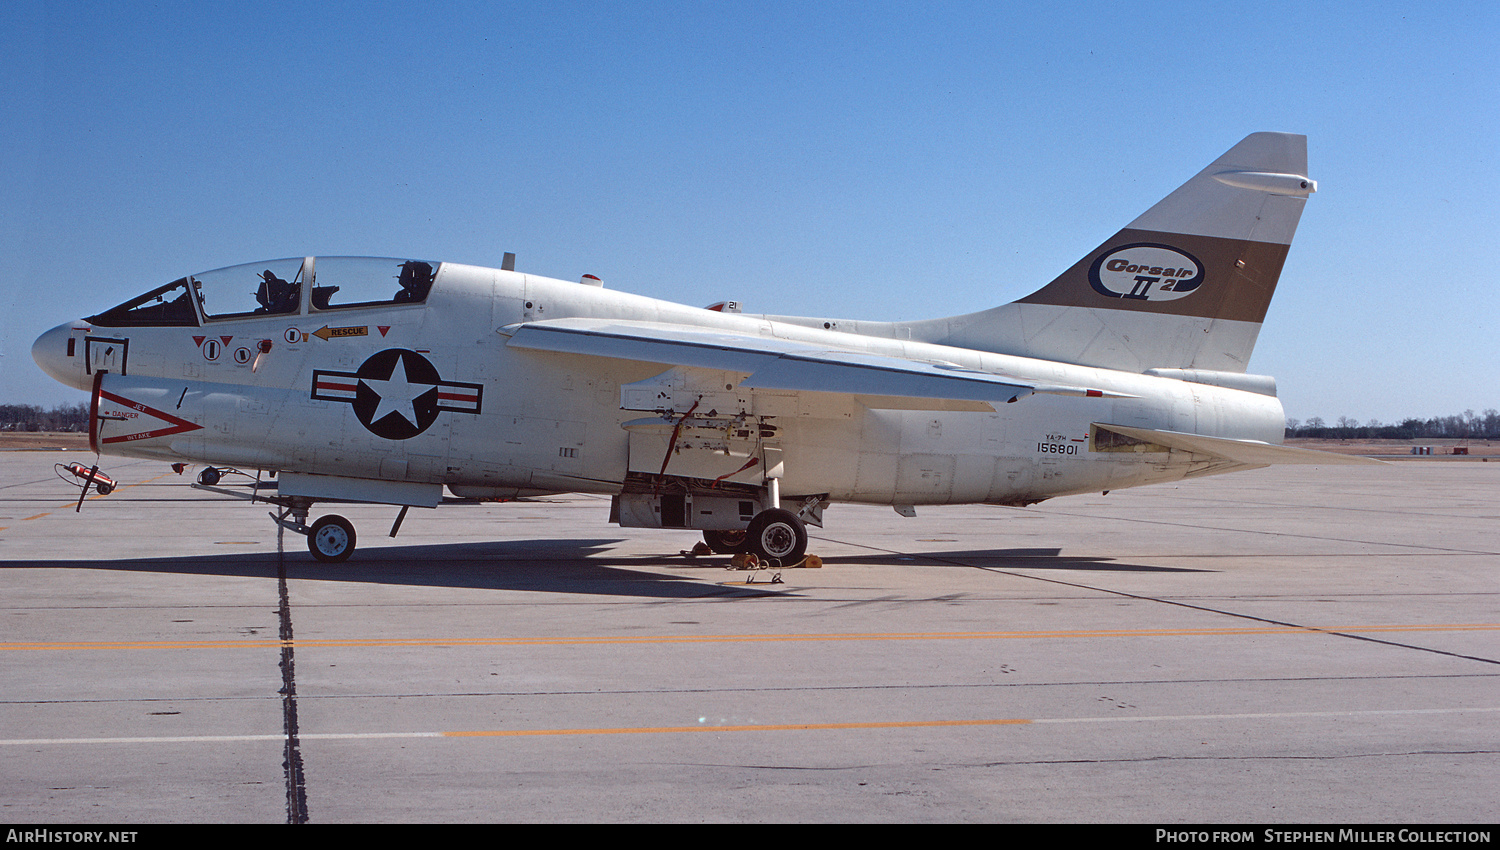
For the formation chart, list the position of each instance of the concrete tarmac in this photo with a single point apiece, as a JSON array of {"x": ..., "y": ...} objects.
[{"x": 1286, "y": 645}]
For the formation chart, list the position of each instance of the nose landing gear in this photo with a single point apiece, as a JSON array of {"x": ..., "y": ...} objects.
[{"x": 330, "y": 539}]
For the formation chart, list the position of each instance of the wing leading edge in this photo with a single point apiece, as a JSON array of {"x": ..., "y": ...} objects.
[{"x": 773, "y": 363}]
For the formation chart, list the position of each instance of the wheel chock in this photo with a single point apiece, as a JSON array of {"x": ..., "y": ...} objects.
[{"x": 745, "y": 561}]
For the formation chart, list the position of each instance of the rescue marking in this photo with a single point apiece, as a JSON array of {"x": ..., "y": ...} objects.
[{"x": 326, "y": 333}]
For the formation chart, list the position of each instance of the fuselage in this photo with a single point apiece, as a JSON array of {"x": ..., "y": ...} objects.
[{"x": 291, "y": 391}]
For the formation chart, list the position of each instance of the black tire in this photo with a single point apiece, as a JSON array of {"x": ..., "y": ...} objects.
[
  {"x": 777, "y": 536},
  {"x": 727, "y": 542},
  {"x": 331, "y": 539},
  {"x": 104, "y": 488},
  {"x": 209, "y": 476}
]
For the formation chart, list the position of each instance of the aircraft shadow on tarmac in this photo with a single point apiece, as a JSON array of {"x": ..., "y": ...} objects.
[
  {"x": 581, "y": 566},
  {"x": 1006, "y": 559}
]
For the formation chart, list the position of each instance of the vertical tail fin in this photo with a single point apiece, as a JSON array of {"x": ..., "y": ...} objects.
[{"x": 1185, "y": 285}]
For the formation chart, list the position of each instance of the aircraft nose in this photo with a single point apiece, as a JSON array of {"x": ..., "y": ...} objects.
[{"x": 58, "y": 354}]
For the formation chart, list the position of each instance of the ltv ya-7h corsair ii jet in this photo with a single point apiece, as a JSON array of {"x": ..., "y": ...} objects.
[{"x": 386, "y": 380}]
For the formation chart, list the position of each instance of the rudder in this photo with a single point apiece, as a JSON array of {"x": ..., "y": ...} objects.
[{"x": 1185, "y": 285}]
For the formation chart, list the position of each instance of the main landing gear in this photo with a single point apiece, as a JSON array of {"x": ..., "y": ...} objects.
[
  {"x": 727, "y": 542},
  {"x": 778, "y": 536},
  {"x": 775, "y": 535}
]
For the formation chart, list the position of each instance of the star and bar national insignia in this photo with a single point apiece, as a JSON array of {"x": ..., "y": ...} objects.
[{"x": 397, "y": 393}]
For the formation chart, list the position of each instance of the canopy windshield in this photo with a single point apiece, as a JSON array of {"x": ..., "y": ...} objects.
[
  {"x": 167, "y": 306},
  {"x": 276, "y": 288}
]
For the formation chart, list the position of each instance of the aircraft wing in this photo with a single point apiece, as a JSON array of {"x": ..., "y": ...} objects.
[
  {"x": 774, "y": 363},
  {"x": 1250, "y": 452}
]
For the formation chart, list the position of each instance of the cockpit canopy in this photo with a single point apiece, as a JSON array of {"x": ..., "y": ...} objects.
[{"x": 278, "y": 287}]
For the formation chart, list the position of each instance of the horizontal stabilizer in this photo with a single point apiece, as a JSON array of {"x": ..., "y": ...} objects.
[{"x": 1249, "y": 452}]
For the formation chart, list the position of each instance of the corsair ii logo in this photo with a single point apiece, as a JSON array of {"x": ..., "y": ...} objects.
[
  {"x": 397, "y": 393},
  {"x": 1146, "y": 272}
]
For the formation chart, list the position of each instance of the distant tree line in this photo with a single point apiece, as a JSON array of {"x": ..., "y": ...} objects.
[
  {"x": 1464, "y": 426},
  {"x": 1467, "y": 425},
  {"x": 30, "y": 417}
]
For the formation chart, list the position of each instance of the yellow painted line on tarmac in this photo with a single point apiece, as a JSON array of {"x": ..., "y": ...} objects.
[
  {"x": 377, "y": 643},
  {"x": 38, "y": 516}
]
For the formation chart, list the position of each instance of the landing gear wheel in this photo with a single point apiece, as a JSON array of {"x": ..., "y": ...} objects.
[
  {"x": 727, "y": 542},
  {"x": 778, "y": 536},
  {"x": 209, "y": 476},
  {"x": 331, "y": 539}
]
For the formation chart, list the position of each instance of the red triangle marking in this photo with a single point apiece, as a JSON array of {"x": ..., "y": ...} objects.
[
  {"x": 198, "y": 340},
  {"x": 383, "y": 329},
  {"x": 175, "y": 425},
  {"x": 226, "y": 339}
]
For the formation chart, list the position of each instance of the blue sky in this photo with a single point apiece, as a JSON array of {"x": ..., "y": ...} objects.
[{"x": 867, "y": 160}]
